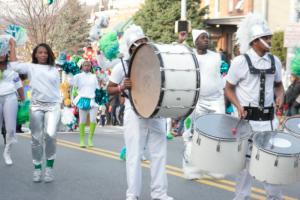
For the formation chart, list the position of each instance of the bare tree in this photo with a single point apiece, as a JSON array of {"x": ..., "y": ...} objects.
[{"x": 36, "y": 16}]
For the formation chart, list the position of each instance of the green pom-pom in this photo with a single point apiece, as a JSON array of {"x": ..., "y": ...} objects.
[
  {"x": 170, "y": 136},
  {"x": 101, "y": 96},
  {"x": 187, "y": 123},
  {"x": 123, "y": 154},
  {"x": 75, "y": 58},
  {"x": 109, "y": 45},
  {"x": 295, "y": 64},
  {"x": 70, "y": 67}
]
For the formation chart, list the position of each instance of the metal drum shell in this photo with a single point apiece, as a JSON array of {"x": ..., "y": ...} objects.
[
  {"x": 274, "y": 168},
  {"x": 218, "y": 156}
]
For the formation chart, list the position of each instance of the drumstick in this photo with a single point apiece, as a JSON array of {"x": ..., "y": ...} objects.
[
  {"x": 234, "y": 131},
  {"x": 126, "y": 75}
]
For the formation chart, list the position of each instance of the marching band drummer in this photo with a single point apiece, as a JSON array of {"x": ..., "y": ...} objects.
[
  {"x": 252, "y": 81},
  {"x": 211, "y": 99},
  {"x": 139, "y": 132}
]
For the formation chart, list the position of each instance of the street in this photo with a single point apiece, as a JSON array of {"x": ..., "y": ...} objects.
[{"x": 98, "y": 173}]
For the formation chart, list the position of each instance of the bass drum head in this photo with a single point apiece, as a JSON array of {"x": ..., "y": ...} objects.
[
  {"x": 275, "y": 142},
  {"x": 292, "y": 125},
  {"x": 219, "y": 126},
  {"x": 145, "y": 75}
]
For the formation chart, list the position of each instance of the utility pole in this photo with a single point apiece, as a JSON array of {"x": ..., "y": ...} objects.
[{"x": 183, "y": 10}]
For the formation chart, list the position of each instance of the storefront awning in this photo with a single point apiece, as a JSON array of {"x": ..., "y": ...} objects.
[{"x": 225, "y": 20}]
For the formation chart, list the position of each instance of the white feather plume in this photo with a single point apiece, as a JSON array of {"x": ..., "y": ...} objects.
[{"x": 243, "y": 33}]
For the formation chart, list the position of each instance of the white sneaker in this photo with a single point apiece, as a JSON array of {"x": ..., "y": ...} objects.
[
  {"x": 49, "y": 175},
  {"x": 6, "y": 155},
  {"x": 131, "y": 198},
  {"x": 165, "y": 198},
  {"x": 37, "y": 175},
  {"x": 143, "y": 158}
]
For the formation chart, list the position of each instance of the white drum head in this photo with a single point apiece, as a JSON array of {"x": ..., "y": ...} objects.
[
  {"x": 276, "y": 142},
  {"x": 144, "y": 72},
  {"x": 219, "y": 127},
  {"x": 292, "y": 125}
]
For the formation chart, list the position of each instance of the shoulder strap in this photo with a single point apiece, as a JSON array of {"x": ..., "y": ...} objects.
[
  {"x": 273, "y": 67},
  {"x": 251, "y": 68}
]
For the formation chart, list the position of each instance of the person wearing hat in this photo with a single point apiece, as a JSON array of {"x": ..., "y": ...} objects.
[
  {"x": 10, "y": 83},
  {"x": 211, "y": 99},
  {"x": 139, "y": 132},
  {"x": 86, "y": 84},
  {"x": 44, "y": 106},
  {"x": 253, "y": 80}
]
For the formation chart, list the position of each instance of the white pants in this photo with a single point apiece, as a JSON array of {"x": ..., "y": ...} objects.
[
  {"x": 83, "y": 115},
  {"x": 8, "y": 112},
  {"x": 244, "y": 181},
  {"x": 44, "y": 119},
  {"x": 140, "y": 133},
  {"x": 204, "y": 106}
]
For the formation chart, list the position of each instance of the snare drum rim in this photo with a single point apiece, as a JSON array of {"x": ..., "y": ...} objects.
[
  {"x": 271, "y": 152},
  {"x": 161, "y": 95},
  {"x": 223, "y": 139},
  {"x": 289, "y": 131}
]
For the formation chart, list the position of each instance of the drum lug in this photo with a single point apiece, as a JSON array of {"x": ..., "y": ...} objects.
[
  {"x": 219, "y": 146},
  {"x": 257, "y": 155},
  {"x": 296, "y": 163},
  {"x": 276, "y": 162}
]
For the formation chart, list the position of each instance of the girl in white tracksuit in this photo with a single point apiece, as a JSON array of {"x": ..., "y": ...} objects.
[
  {"x": 86, "y": 83},
  {"x": 9, "y": 84},
  {"x": 45, "y": 106},
  {"x": 140, "y": 133}
]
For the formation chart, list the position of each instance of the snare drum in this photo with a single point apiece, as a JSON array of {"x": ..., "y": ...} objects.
[
  {"x": 215, "y": 149},
  {"x": 292, "y": 125},
  {"x": 165, "y": 80},
  {"x": 275, "y": 158}
]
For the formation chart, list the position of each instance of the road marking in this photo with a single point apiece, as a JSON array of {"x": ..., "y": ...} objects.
[{"x": 257, "y": 193}]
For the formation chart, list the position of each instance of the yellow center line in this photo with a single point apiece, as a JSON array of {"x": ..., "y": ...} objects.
[{"x": 172, "y": 170}]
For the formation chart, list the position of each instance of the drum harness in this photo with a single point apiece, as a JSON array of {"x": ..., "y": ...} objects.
[{"x": 260, "y": 113}]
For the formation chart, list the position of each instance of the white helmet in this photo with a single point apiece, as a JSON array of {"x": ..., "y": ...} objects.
[
  {"x": 252, "y": 27},
  {"x": 258, "y": 31},
  {"x": 132, "y": 34}
]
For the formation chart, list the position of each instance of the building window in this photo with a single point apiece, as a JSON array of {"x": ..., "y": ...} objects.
[{"x": 239, "y": 5}]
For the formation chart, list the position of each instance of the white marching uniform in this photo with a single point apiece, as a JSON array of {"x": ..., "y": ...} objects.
[
  {"x": 211, "y": 100},
  {"x": 44, "y": 109},
  {"x": 9, "y": 84},
  {"x": 87, "y": 84},
  {"x": 247, "y": 92},
  {"x": 140, "y": 133}
]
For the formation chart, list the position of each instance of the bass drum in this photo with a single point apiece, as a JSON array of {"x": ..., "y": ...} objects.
[
  {"x": 165, "y": 80},
  {"x": 215, "y": 149},
  {"x": 275, "y": 158}
]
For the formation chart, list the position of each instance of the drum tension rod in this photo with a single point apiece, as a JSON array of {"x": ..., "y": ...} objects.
[
  {"x": 257, "y": 155},
  {"x": 175, "y": 69},
  {"x": 219, "y": 146},
  {"x": 198, "y": 140},
  {"x": 175, "y": 53},
  {"x": 296, "y": 163},
  {"x": 181, "y": 90}
]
